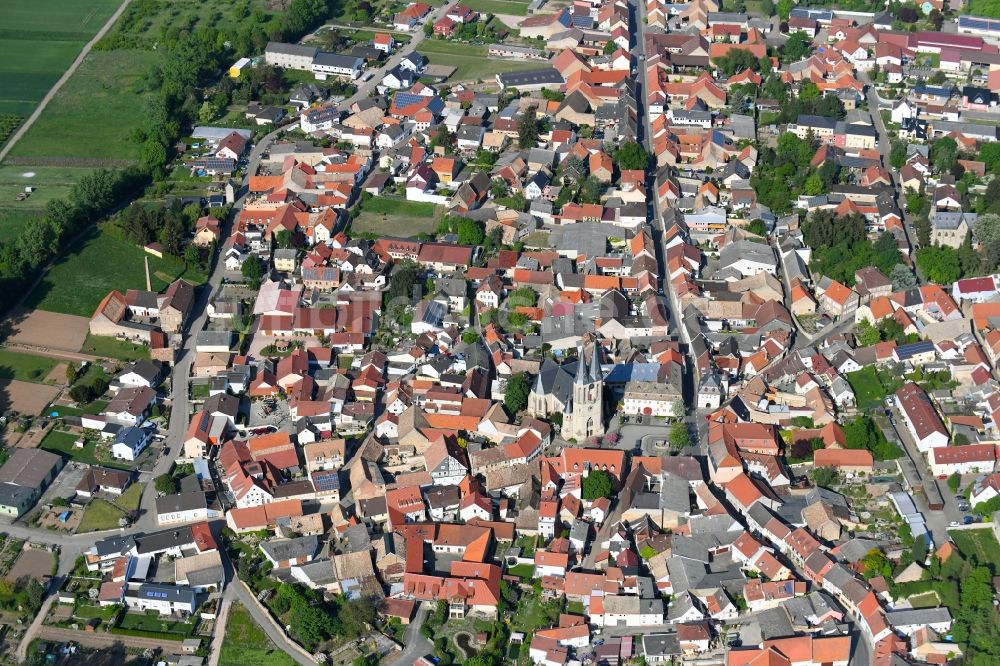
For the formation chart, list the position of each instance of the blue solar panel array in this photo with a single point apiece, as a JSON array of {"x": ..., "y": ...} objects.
[
  {"x": 324, "y": 481},
  {"x": 406, "y": 99},
  {"x": 815, "y": 14},
  {"x": 978, "y": 23}
]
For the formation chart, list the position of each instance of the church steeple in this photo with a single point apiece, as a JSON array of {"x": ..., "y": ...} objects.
[
  {"x": 595, "y": 364},
  {"x": 581, "y": 378}
]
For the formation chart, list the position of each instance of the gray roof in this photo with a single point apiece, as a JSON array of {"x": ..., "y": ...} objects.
[
  {"x": 291, "y": 49},
  {"x": 29, "y": 467},
  {"x": 173, "y": 593},
  {"x": 324, "y": 59},
  {"x": 181, "y": 502},
  {"x": 918, "y": 616},
  {"x": 543, "y": 76},
  {"x": 14, "y": 496},
  {"x": 288, "y": 549}
]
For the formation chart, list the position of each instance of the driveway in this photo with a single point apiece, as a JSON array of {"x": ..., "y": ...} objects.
[{"x": 416, "y": 645}]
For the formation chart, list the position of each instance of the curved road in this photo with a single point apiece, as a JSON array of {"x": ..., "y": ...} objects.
[{"x": 26, "y": 125}]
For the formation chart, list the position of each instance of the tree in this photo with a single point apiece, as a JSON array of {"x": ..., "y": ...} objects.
[
  {"x": 868, "y": 335},
  {"x": 470, "y": 336},
  {"x": 939, "y": 263},
  {"x": 590, "y": 190},
  {"x": 527, "y": 129},
  {"x": 785, "y": 8},
  {"x": 814, "y": 185},
  {"x": 283, "y": 239},
  {"x": 515, "y": 395},
  {"x": 172, "y": 235},
  {"x": 596, "y": 485},
  {"x": 165, "y": 484},
  {"x": 897, "y": 154},
  {"x": 680, "y": 436},
  {"x": 944, "y": 152},
  {"x": 824, "y": 476},
  {"x": 902, "y": 278},
  {"x": 34, "y": 592},
  {"x": 632, "y": 156},
  {"x": 470, "y": 232},
  {"x": 253, "y": 271},
  {"x": 757, "y": 227},
  {"x": 71, "y": 370},
  {"x": 954, "y": 481},
  {"x": 875, "y": 563},
  {"x": 798, "y": 46}
]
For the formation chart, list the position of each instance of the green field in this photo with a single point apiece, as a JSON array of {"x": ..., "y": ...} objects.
[
  {"x": 99, "y": 264},
  {"x": 24, "y": 367},
  {"x": 92, "y": 117},
  {"x": 50, "y": 182},
  {"x": 99, "y": 515},
  {"x": 980, "y": 545},
  {"x": 113, "y": 348},
  {"x": 471, "y": 60},
  {"x": 512, "y": 7},
  {"x": 246, "y": 644},
  {"x": 393, "y": 225},
  {"x": 387, "y": 206},
  {"x": 38, "y": 41},
  {"x": 867, "y": 388}
]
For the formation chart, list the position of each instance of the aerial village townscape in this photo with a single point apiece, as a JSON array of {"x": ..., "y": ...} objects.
[{"x": 488, "y": 332}]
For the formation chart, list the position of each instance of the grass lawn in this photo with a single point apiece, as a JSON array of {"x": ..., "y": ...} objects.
[
  {"x": 87, "y": 612},
  {"x": 52, "y": 32},
  {"x": 925, "y": 600},
  {"x": 387, "y": 206},
  {"x": 513, "y": 7},
  {"x": 61, "y": 442},
  {"x": 575, "y": 607},
  {"x": 99, "y": 515},
  {"x": 95, "y": 407},
  {"x": 93, "y": 116},
  {"x": 867, "y": 388},
  {"x": 153, "y": 622},
  {"x": 246, "y": 644},
  {"x": 132, "y": 496},
  {"x": 50, "y": 183},
  {"x": 396, "y": 225},
  {"x": 522, "y": 570},
  {"x": 979, "y": 545},
  {"x": 25, "y": 367},
  {"x": 471, "y": 60},
  {"x": 532, "y": 613},
  {"x": 101, "y": 262},
  {"x": 98, "y": 345}
]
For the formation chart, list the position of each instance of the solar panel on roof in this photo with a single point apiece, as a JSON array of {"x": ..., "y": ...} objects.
[
  {"x": 406, "y": 99},
  {"x": 327, "y": 481}
]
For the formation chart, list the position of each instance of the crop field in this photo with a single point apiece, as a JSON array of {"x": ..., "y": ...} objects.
[
  {"x": 53, "y": 32},
  {"x": 90, "y": 120}
]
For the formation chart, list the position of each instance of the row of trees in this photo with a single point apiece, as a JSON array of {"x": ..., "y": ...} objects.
[{"x": 93, "y": 197}]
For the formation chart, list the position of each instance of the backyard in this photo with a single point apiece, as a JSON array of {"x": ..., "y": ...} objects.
[
  {"x": 100, "y": 263},
  {"x": 979, "y": 544},
  {"x": 63, "y": 443},
  {"x": 114, "y": 348},
  {"x": 246, "y": 644},
  {"x": 867, "y": 387},
  {"x": 99, "y": 515},
  {"x": 471, "y": 60}
]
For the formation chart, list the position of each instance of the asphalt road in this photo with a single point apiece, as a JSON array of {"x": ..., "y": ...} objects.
[{"x": 416, "y": 645}]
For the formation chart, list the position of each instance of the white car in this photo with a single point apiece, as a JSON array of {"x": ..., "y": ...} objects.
[{"x": 953, "y": 523}]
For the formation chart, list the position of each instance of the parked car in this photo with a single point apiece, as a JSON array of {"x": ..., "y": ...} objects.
[
  {"x": 967, "y": 520},
  {"x": 953, "y": 523}
]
